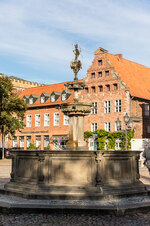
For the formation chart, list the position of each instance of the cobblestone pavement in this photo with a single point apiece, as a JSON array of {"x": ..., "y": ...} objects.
[
  {"x": 71, "y": 218},
  {"x": 42, "y": 219}
]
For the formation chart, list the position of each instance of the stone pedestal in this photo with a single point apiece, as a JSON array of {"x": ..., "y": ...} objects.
[{"x": 76, "y": 113}]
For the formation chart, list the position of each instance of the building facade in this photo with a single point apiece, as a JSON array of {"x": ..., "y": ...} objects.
[{"x": 115, "y": 86}]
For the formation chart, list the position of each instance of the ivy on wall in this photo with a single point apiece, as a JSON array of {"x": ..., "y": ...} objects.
[{"x": 102, "y": 136}]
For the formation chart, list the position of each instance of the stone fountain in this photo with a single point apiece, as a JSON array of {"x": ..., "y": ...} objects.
[{"x": 75, "y": 173}]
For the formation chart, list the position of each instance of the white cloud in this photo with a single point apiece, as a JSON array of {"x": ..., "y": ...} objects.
[{"x": 40, "y": 34}]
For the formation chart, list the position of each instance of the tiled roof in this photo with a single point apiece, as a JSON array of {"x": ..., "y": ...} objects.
[
  {"x": 136, "y": 76},
  {"x": 49, "y": 89}
]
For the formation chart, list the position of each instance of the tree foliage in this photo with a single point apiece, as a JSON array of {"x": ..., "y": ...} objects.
[{"x": 12, "y": 109}]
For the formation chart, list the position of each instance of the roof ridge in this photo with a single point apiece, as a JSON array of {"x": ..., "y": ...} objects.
[{"x": 115, "y": 55}]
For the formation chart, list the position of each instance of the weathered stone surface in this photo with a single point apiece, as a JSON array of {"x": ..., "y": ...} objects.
[{"x": 75, "y": 174}]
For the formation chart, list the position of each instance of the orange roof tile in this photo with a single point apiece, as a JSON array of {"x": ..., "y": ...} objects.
[
  {"x": 59, "y": 87},
  {"x": 136, "y": 76}
]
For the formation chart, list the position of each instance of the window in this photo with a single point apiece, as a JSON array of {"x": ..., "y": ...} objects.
[
  {"x": 31, "y": 100},
  {"x": 108, "y": 87},
  {"x": 66, "y": 120},
  {"x": 93, "y": 126},
  {"x": 115, "y": 86},
  {"x": 117, "y": 105},
  {"x": 118, "y": 144},
  {"x": 107, "y": 107},
  {"x": 53, "y": 98},
  {"x": 106, "y": 144},
  {"x": 28, "y": 122},
  {"x": 46, "y": 142},
  {"x": 37, "y": 120},
  {"x": 38, "y": 142},
  {"x": 118, "y": 129},
  {"x": 107, "y": 126},
  {"x": 93, "y": 75},
  {"x": 14, "y": 142},
  {"x": 99, "y": 62},
  {"x": 106, "y": 73},
  {"x": 94, "y": 109},
  {"x": 21, "y": 142},
  {"x": 100, "y": 88},
  {"x": 28, "y": 141},
  {"x": 56, "y": 119},
  {"x": 93, "y": 89},
  {"x": 100, "y": 74},
  {"x": 148, "y": 129},
  {"x": 146, "y": 109},
  {"x": 64, "y": 96},
  {"x": 86, "y": 90},
  {"x": 42, "y": 100},
  {"x": 46, "y": 119}
]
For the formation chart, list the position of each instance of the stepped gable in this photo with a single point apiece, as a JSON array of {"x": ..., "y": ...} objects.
[
  {"x": 48, "y": 89},
  {"x": 136, "y": 76}
]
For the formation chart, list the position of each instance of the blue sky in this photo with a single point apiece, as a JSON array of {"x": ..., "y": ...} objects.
[{"x": 37, "y": 36}]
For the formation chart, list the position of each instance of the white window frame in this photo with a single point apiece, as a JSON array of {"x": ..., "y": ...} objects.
[
  {"x": 107, "y": 107},
  {"x": 46, "y": 141},
  {"x": 94, "y": 109},
  {"x": 118, "y": 105},
  {"x": 14, "y": 142},
  {"x": 107, "y": 126},
  {"x": 31, "y": 100},
  {"x": 28, "y": 141},
  {"x": 66, "y": 120},
  {"x": 42, "y": 100},
  {"x": 53, "y": 98},
  {"x": 46, "y": 119},
  {"x": 37, "y": 120},
  {"x": 56, "y": 119},
  {"x": 28, "y": 120},
  {"x": 94, "y": 126},
  {"x": 38, "y": 141},
  {"x": 21, "y": 141},
  {"x": 64, "y": 96},
  {"x": 118, "y": 144}
]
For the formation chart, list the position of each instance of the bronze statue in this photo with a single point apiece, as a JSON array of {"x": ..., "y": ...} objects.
[{"x": 76, "y": 64}]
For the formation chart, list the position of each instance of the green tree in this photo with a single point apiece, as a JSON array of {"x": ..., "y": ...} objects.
[{"x": 12, "y": 110}]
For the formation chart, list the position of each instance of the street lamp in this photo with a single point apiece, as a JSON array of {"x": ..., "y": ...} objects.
[{"x": 128, "y": 124}]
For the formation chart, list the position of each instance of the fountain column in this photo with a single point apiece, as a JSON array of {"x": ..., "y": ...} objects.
[{"x": 76, "y": 110}]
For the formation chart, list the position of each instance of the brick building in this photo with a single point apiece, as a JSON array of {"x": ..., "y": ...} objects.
[
  {"x": 117, "y": 86},
  {"x": 46, "y": 126},
  {"x": 113, "y": 85}
]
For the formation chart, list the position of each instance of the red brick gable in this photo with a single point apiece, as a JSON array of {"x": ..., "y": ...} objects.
[{"x": 135, "y": 76}]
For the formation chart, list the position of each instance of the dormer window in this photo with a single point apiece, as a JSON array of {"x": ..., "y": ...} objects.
[
  {"x": 64, "y": 95},
  {"x": 42, "y": 100},
  {"x": 26, "y": 99},
  {"x": 44, "y": 97},
  {"x": 31, "y": 100},
  {"x": 52, "y": 98}
]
